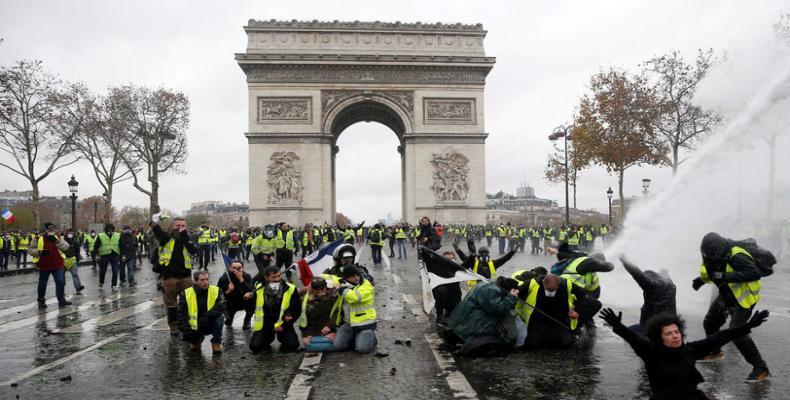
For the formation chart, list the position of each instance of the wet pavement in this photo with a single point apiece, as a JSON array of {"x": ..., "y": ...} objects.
[{"x": 116, "y": 345}]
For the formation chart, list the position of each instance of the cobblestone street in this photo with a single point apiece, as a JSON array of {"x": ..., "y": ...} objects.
[{"x": 115, "y": 345}]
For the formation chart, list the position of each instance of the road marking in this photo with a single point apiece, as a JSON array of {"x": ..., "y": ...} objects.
[
  {"x": 110, "y": 318},
  {"x": 16, "y": 309},
  {"x": 397, "y": 279},
  {"x": 301, "y": 386},
  {"x": 56, "y": 363},
  {"x": 409, "y": 299},
  {"x": 415, "y": 309},
  {"x": 386, "y": 261},
  {"x": 455, "y": 379}
]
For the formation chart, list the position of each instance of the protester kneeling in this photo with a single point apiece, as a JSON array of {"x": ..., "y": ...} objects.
[
  {"x": 356, "y": 307},
  {"x": 200, "y": 313},
  {"x": 547, "y": 308},
  {"x": 277, "y": 307},
  {"x": 483, "y": 322},
  {"x": 316, "y": 323}
]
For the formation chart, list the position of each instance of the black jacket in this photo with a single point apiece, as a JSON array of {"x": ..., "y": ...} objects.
[
  {"x": 468, "y": 261},
  {"x": 176, "y": 268},
  {"x": 128, "y": 245},
  {"x": 235, "y": 298},
  {"x": 429, "y": 238},
  {"x": 272, "y": 308},
  {"x": 744, "y": 270},
  {"x": 204, "y": 317},
  {"x": 658, "y": 292},
  {"x": 672, "y": 372}
]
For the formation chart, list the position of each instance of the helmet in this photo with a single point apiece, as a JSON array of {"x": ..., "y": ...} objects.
[{"x": 344, "y": 250}]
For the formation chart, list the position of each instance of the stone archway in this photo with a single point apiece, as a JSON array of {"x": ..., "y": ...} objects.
[{"x": 308, "y": 81}]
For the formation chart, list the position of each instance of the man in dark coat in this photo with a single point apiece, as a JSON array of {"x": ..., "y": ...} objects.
[{"x": 658, "y": 292}]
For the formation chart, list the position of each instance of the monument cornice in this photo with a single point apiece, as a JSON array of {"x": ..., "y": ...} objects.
[
  {"x": 386, "y": 59},
  {"x": 378, "y": 74},
  {"x": 276, "y": 25}
]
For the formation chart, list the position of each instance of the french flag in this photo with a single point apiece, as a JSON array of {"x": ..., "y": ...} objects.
[
  {"x": 7, "y": 215},
  {"x": 316, "y": 263}
]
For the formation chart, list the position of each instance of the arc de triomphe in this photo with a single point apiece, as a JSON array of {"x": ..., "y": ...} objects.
[{"x": 308, "y": 81}]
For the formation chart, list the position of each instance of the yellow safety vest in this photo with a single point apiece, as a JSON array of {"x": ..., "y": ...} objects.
[
  {"x": 23, "y": 243},
  {"x": 192, "y": 306},
  {"x": 588, "y": 281},
  {"x": 288, "y": 243},
  {"x": 400, "y": 234},
  {"x": 491, "y": 270},
  {"x": 524, "y": 309},
  {"x": 205, "y": 236},
  {"x": 259, "y": 300},
  {"x": 746, "y": 293},
  {"x": 109, "y": 244},
  {"x": 166, "y": 253},
  {"x": 358, "y": 305}
]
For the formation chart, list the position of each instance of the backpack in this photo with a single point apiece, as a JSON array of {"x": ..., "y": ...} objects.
[
  {"x": 375, "y": 236},
  {"x": 763, "y": 258}
]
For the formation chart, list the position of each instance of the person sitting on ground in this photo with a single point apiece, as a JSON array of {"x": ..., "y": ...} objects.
[
  {"x": 357, "y": 303},
  {"x": 236, "y": 284},
  {"x": 277, "y": 307},
  {"x": 200, "y": 312},
  {"x": 658, "y": 292},
  {"x": 473, "y": 323},
  {"x": 316, "y": 323},
  {"x": 669, "y": 359}
]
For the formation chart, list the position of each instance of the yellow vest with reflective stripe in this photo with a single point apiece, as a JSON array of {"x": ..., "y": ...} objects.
[
  {"x": 574, "y": 238},
  {"x": 588, "y": 281},
  {"x": 192, "y": 305},
  {"x": 166, "y": 253},
  {"x": 358, "y": 305},
  {"x": 205, "y": 236},
  {"x": 400, "y": 234},
  {"x": 260, "y": 297},
  {"x": 23, "y": 243},
  {"x": 524, "y": 309},
  {"x": 746, "y": 293},
  {"x": 491, "y": 270}
]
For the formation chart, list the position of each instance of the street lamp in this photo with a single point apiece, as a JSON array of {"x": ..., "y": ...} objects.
[
  {"x": 645, "y": 186},
  {"x": 562, "y": 132},
  {"x": 73, "y": 189},
  {"x": 104, "y": 218},
  {"x": 609, "y": 193}
]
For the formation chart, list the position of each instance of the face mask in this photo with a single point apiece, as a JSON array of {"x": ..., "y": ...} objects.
[
  {"x": 93, "y": 234},
  {"x": 70, "y": 236},
  {"x": 550, "y": 293},
  {"x": 274, "y": 285}
]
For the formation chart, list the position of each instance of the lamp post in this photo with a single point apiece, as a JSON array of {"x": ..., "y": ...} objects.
[
  {"x": 73, "y": 189},
  {"x": 562, "y": 132},
  {"x": 105, "y": 219},
  {"x": 645, "y": 186},
  {"x": 609, "y": 193},
  {"x": 95, "y": 212}
]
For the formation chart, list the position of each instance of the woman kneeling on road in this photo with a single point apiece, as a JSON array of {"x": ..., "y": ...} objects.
[{"x": 669, "y": 360}]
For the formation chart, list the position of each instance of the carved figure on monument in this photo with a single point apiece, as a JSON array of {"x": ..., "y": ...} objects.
[
  {"x": 284, "y": 178},
  {"x": 450, "y": 176}
]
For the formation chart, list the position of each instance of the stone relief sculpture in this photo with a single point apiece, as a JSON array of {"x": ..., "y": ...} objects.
[
  {"x": 448, "y": 110},
  {"x": 284, "y": 178},
  {"x": 450, "y": 176},
  {"x": 272, "y": 109}
]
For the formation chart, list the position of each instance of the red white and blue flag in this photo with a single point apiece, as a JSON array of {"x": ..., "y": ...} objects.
[
  {"x": 316, "y": 263},
  {"x": 7, "y": 215}
]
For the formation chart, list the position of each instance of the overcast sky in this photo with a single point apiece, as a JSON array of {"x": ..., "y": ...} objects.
[{"x": 546, "y": 52}]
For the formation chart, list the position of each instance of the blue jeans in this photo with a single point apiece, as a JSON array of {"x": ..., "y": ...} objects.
[
  {"x": 501, "y": 245},
  {"x": 401, "y": 247},
  {"x": 127, "y": 269},
  {"x": 75, "y": 277},
  {"x": 60, "y": 284},
  {"x": 362, "y": 341},
  {"x": 112, "y": 260}
]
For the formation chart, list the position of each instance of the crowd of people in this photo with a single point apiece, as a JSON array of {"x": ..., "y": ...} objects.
[{"x": 532, "y": 308}]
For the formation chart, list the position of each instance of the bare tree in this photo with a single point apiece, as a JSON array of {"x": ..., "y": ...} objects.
[
  {"x": 615, "y": 124},
  {"x": 102, "y": 144},
  {"x": 680, "y": 123},
  {"x": 154, "y": 124},
  {"x": 39, "y": 117}
]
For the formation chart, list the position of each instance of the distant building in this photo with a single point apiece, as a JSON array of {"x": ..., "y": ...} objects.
[
  {"x": 11, "y": 197},
  {"x": 222, "y": 213},
  {"x": 525, "y": 208}
]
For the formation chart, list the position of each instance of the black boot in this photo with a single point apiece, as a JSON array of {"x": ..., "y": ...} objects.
[{"x": 172, "y": 320}]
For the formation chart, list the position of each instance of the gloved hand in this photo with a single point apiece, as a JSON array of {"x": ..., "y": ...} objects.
[
  {"x": 52, "y": 238},
  {"x": 697, "y": 283},
  {"x": 44, "y": 252},
  {"x": 758, "y": 318},
  {"x": 608, "y": 315}
]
